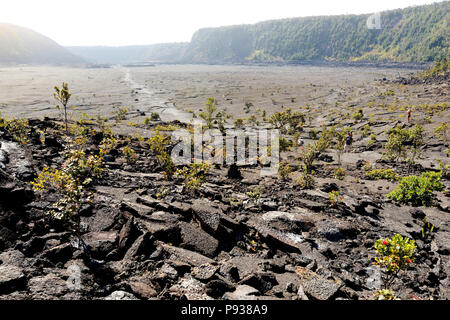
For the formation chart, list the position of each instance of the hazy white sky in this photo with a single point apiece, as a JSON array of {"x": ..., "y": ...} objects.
[{"x": 128, "y": 22}]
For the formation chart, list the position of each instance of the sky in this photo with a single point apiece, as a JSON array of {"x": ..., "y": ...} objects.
[{"x": 139, "y": 22}]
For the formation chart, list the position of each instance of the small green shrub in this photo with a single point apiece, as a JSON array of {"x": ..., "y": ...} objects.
[
  {"x": 404, "y": 144},
  {"x": 121, "y": 114},
  {"x": 208, "y": 114},
  {"x": 418, "y": 190},
  {"x": 284, "y": 171},
  {"x": 387, "y": 174},
  {"x": 372, "y": 140},
  {"x": 385, "y": 294},
  {"x": 155, "y": 116},
  {"x": 285, "y": 144},
  {"x": 312, "y": 134},
  {"x": 395, "y": 254},
  {"x": 194, "y": 175},
  {"x": 17, "y": 128},
  {"x": 441, "y": 132},
  {"x": 307, "y": 156},
  {"x": 306, "y": 180},
  {"x": 287, "y": 121},
  {"x": 339, "y": 173},
  {"x": 130, "y": 154},
  {"x": 358, "y": 115},
  {"x": 254, "y": 195},
  {"x": 239, "y": 123},
  {"x": 158, "y": 144},
  {"x": 70, "y": 183},
  {"x": 335, "y": 198}
]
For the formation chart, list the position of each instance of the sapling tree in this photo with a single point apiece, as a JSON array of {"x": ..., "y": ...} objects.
[
  {"x": 62, "y": 95},
  {"x": 340, "y": 142},
  {"x": 208, "y": 114},
  {"x": 158, "y": 144}
]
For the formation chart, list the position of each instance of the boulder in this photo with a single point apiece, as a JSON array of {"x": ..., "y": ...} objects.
[
  {"x": 121, "y": 295},
  {"x": 103, "y": 219},
  {"x": 142, "y": 289},
  {"x": 217, "y": 287},
  {"x": 11, "y": 278},
  {"x": 189, "y": 288},
  {"x": 12, "y": 258},
  {"x": 195, "y": 239},
  {"x": 263, "y": 282},
  {"x": 101, "y": 243},
  {"x": 48, "y": 287},
  {"x": 190, "y": 257},
  {"x": 242, "y": 292},
  {"x": 59, "y": 253},
  {"x": 315, "y": 286},
  {"x": 142, "y": 245},
  {"x": 204, "y": 272},
  {"x": 213, "y": 220}
]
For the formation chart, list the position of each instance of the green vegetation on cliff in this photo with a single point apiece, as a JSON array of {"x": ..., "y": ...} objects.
[{"x": 414, "y": 34}]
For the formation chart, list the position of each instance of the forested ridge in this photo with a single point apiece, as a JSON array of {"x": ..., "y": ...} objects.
[{"x": 414, "y": 34}]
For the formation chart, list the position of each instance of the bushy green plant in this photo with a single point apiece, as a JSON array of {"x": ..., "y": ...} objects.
[
  {"x": 339, "y": 173},
  {"x": 394, "y": 255},
  {"x": 358, "y": 115},
  {"x": 254, "y": 195},
  {"x": 340, "y": 141},
  {"x": 378, "y": 174},
  {"x": 366, "y": 130},
  {"x": 158, "y": 144},
  {"x": 287, "y": 121},
  {"x": 306, "y": 180},
  {"x": 17, "y": 128},
  {"x": 70, "y": 183},
  {"x": 404, "y": 143},
  {"x": 121, "y": 114},
  {"x": 239, "y": 123},
  {"x": 194, "y": 175},
  {"x": 385, "y": 294},
  {"x": 335, "y": 198},
  {"x": 312, "y": 134},
  {"x": 108, "y": 143},
  {"x": 307, "y": 156},
  {"x": 325, "y": 139},
  {"x": 155, "y": 116},
  {"x": 441, "y": 132},
  {"x": 130, "y": 154},
  {"x": 418, "y": 190},
  {"x": 285, "y": 144},
  {"x": 285, "y": 170},
  {"x": 372, "y": 140}
]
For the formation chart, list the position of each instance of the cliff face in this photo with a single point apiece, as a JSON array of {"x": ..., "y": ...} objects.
[
  {"x": 20, "y": 45},
  {"x": 415, "y": 34}
]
